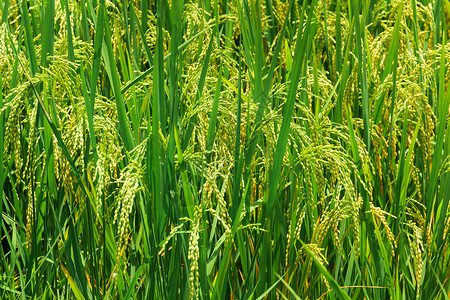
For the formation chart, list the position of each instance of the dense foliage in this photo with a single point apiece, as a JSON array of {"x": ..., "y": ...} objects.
[{"x": 225, "y": 149}]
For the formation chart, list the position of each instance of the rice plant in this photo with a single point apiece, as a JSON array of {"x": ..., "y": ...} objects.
[{"x": 225, "y": 149}]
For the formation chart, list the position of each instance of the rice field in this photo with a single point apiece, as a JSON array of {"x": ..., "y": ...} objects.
[{"x": 233, "y": 149}]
